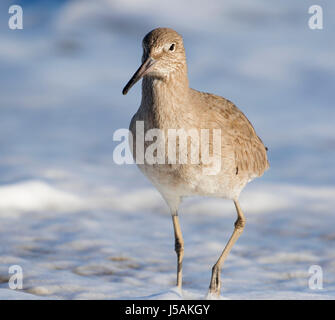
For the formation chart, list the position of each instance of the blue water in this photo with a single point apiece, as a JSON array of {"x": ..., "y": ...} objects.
[{"x": 62, "y": 75}]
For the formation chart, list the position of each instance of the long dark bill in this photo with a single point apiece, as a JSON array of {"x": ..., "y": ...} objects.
[{"x": 138, "y": 74}]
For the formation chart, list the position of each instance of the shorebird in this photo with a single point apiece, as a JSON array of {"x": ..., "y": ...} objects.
[{"x": 168, "y": 102}]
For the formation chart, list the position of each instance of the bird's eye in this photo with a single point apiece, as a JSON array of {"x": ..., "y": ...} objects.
[{"x": 172, "y": 47}]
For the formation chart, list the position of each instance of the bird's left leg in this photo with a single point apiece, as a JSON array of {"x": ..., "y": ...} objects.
[
  {"x": 179, "y": 247},
  {"x": 215, "y": 284}
]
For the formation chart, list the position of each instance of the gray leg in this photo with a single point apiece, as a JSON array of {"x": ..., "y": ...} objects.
[
  {"x": 179, "y": 247},
  {"x": 215, "y": 284}
]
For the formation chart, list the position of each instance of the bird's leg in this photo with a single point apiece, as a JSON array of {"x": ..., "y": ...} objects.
[
  {"x": 215, "y": 285},
  {"x": 179, "y": 247}
]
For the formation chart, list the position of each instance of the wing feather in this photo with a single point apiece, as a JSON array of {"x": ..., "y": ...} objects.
[{"x": 238, "y": 133}]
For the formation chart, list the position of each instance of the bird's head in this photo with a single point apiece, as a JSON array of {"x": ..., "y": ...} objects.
[{"x": 163, "y": 54}]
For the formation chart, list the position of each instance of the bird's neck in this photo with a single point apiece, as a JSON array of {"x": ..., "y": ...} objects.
[{"x": 165, "y": 95}]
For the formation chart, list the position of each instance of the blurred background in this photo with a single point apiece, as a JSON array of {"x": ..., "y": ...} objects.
[{"x": 83, "y": 227}]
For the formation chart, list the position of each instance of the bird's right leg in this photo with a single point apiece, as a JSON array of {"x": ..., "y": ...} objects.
[{"x": 179, "y": 247}]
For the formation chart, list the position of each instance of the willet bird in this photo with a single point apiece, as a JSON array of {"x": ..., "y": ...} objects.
[{"x": 168, "y": 102}]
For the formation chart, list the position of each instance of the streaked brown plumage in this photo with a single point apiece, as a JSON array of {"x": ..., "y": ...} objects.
[{"x": 168, "y": 102}]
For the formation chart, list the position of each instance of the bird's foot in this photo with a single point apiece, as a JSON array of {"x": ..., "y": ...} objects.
[
  {"x": 213, "y": 293},
  {"x": 213, "y": 296},
  {"x": 215, "y": 285}
]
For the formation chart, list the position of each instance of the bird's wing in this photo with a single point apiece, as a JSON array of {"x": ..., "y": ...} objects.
[{"x": 237, "y": 133}]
